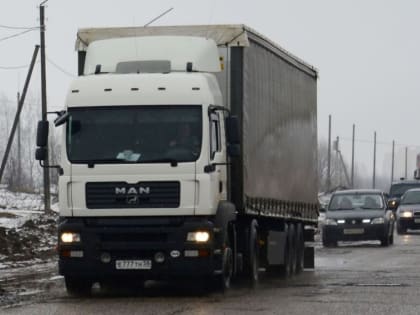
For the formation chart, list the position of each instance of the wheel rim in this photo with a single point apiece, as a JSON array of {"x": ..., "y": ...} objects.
[{"x": 228, "y": 268}]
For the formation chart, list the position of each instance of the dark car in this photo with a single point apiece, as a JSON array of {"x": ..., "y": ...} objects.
[
  {"x": 408, "y": 212},
  {"x": 356, "y": 215},
  {"x": 398, "y": 188}
]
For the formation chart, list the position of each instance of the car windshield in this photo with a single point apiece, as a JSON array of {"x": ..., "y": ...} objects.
[
  {"x": 397, "y": 190},
  {"x": 134, "y": 134},
  {"x": 356, "y": 201},
  {"x": 410, "y": 197}
]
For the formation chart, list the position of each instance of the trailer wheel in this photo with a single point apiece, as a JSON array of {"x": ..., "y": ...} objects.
[
  {"x": 300, "y": 255},
  {"x": 253, "y": 260},
  {"x": 78, "y": 287},
  {"x": 285, "y": 268},
  {"x": 293, "y": 248}
]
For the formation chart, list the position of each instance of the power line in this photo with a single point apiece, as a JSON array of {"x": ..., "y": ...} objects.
[
  {"x": 60, "y": 68},
  {"x": 18, "y": 27},
  {"x": 17, "y": 34},
  {"x": 13, "y": 67},
  {"x": 380, "y": 142}
]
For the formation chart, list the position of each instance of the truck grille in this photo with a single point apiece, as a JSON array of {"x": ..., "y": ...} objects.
[
  {"x": 140, "y": 195},
  {"x": 133, "y": 237}
]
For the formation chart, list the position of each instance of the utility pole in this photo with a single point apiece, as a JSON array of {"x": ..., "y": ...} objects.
[
  {"x": 329, "y": 155},
  {"x": 352, "y": 157},
  {"x": 47, "y": 199},
  {"x": 393, "y": 161},
  {"x": 374, "y": 161},
  {"x": 19, "y": 110},
  {"x": 406, "y": 153},
  {"x": 19, "y": 177}
]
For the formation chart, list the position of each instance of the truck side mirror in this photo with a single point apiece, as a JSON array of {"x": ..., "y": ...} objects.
[
  {"x": 61, "y": 119},
  {"x": 42, "y": 133},
  {"x": 41, "y": 154}
]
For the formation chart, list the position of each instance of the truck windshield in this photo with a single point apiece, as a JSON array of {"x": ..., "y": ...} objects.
[{"x": 134, "y": 134}]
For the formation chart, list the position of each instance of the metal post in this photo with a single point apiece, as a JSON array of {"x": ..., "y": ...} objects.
[
  {"x": 374, "y": 161},
  {"x": 46, "y": 170},
  {"x": 336, "y": 167},
  {"x": 19, "y": 149},
  {"x": 406, "y": 153},
  {"x": 393, "y": 161},
  {"x": 19, "y": 110},
  {"x": 352, "y": 156},
  {"x": 329, "y": 155}
]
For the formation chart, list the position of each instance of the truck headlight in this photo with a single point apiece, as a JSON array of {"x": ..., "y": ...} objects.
[
  {"x": 378, "y": 221},
  {"x": 199, "y": 236},
  {"x": 406, "y": 214},
  {"x": 330, "y": 222},
  {"x": 70, "y": 237}
]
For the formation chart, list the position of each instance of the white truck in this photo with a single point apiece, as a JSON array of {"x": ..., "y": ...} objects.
[{"x": 188, "y": 152}]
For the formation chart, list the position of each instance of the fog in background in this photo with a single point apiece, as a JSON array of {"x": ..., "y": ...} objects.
[{"x": 367, "y": 53}]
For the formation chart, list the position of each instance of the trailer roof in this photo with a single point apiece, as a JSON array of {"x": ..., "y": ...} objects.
[{"x": 224, "y": 35}]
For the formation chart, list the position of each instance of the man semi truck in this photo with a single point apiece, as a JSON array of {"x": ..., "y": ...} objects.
[{"x": 188, "y": 152}]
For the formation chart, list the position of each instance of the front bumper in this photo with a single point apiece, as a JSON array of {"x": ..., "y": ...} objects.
[
  {"x": 358, "y": 232},
  {"x": 138, "y": 239},
  {"x": 409, "y": 223}
]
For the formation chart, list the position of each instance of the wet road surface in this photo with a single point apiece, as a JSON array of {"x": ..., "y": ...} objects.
[{"x": 355, "y": 278}]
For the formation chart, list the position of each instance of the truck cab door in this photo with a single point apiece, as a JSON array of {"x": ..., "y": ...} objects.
[{"x": 218, "y": 177}]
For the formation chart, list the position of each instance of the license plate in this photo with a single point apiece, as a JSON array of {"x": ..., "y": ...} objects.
[
  {"x": 133, "y": 264},
  {"x": 416, "y": 220},
  {"x": 353, "y": 231}
]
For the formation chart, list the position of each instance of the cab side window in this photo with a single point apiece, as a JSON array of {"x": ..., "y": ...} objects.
[{"x": 215, "y": 140}]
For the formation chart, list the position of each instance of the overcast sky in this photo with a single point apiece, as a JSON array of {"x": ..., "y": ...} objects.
[{"x": 367, "y": 53}]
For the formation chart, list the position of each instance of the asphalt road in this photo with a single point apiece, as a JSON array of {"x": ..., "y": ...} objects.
[{"x": 355, "y": 278}]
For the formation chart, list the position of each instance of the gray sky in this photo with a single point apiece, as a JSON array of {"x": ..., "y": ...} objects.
[{"x": 367, "y": 52}]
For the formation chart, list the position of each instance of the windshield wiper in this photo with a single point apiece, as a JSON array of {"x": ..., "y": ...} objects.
[{"x": 91, "y": 163}]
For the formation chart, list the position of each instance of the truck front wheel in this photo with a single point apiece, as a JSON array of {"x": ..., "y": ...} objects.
[
  {"x": 223, "y": 281},
  {"x": 78, "y": 286}
]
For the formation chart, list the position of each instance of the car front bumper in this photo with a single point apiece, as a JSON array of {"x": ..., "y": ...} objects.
[
  {"x": 409, "y": 223},
  {"x": 354, "y": 232}
]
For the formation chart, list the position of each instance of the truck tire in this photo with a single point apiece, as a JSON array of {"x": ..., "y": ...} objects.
[
  {"x": 300, "y": 254},
  {"x": 285, "y": 269},
  {"x": 78, "y": 287},
  {"x": 223, "y": 281},
  {"x": 293, "y": 248},
  {"x": 252, "y": 270}
]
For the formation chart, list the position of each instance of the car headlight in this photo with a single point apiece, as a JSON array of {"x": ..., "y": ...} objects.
[
  {"x": 70, "y": 237},
  {"x": 199, "y": 236},
  {"x": 378, "y": 221},
  {"x": 330, "y": 222},
  {"x": 406, "y": 214}
]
